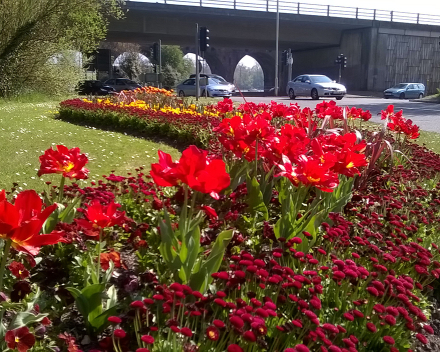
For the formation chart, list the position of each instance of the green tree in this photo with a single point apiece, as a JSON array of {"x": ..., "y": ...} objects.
[
  {"x": 247, "y": 78},
  {"x": 132, "y": 65},
  {"x": 34, "y": 32},
  {"x": 174, "y": 67}
]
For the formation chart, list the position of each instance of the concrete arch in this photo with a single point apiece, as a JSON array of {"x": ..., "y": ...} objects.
[
  {"x": 267, "y": 63},
  {"x": 224, "y": 61},
  {"x": 221, "y": 61},
  {"x": 246, "y": 64},
  {"x": 205, "y": 66},
  {"x": 142, "y": 57}
]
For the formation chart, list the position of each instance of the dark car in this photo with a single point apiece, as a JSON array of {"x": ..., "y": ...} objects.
[
  {"x": 91, "y": 87},
  {"x": 120, "y": 84}
]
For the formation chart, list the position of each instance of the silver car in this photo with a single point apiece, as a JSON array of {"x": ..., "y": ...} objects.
[
  {"x": 217, "y": 78},
  {"x": 208, "y": 86},
  {"x": 405, "y": 91},
  {"x": 120, "y": 84},
  {"x": 315, "y": 86}
]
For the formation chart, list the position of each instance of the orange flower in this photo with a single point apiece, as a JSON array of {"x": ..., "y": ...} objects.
[{"x": 113, "y": 256}]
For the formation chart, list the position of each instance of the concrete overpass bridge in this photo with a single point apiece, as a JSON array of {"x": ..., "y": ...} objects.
[{"x": 382, "y": 47}]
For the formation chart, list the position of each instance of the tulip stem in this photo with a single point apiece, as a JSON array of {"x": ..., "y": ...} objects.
[
  {"x": 185, "y": 211},
  {"x": 115, "y": 347},
  {"x": 8, "y": 243},
  {"x": 98, "y": 266},
  {"x": 256, "y": 158},
  {"x": 61, "y": 193}
]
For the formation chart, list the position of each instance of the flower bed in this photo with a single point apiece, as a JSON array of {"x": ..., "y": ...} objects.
[
  {"x": 149, "y": 111},
  {"x": 295, "y": 233}
]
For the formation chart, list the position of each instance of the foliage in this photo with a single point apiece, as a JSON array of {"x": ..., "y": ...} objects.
[
  {"x": 132, "y": 65},
  {"x": 36, "y": 33},
  {"x": 174, "y": 67},
  {"x": 248, "y": 78}
]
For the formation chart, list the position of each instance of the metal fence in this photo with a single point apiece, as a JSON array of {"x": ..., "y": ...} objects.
[{"x": 297, "y": 8}]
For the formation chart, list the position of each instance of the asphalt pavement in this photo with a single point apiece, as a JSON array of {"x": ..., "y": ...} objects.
[{"x": 425, "y": 115}]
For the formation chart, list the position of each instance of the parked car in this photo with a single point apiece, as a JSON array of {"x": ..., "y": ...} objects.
[
  {"x": 216, "y": 77},
  {"x": 120, "y": 84},
  {"x": 93, "y": 87},
  {"x": 315, "y": 86},
  {"x": 405, "y": 91},
  {"x": 209, "y": 86}
]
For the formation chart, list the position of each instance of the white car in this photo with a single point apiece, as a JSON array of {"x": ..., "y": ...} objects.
[{"x": 315, "y": 86}]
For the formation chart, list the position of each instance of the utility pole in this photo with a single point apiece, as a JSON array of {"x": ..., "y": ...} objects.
[
  {"x": 160, "y": 64},
  {"x": 277, "y": 35},
  {"x": 197, "y": 64}
]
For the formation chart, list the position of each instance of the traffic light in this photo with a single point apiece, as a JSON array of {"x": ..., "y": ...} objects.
[
  {"x": 341, "y": 60},
  {"x": 284, "y": 58},
  {"x": 154, "y": 52},
  {"x": 204, "y": 38}
]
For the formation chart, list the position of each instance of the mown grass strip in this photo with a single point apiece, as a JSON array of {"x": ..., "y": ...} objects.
[{"x": 27, "y": 129}]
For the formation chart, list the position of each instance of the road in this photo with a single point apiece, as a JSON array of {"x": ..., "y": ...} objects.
[{"x": 425, "y": 115}]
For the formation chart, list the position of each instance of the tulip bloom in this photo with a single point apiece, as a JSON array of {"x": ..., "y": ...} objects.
[
  {"x": 21, "y": 222},
  {"x": 99, "y": 216},
  {"x": 68, "y": 162},
  {"x": 308, "y": 171},
  {"x": 166, "y": 172},
  {"x": 194, "y": 169}
]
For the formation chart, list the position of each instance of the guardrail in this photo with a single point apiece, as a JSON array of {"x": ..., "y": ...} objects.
[{"x": 297, "y": 8}]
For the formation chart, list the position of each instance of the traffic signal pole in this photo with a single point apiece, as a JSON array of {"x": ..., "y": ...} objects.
[
  {"x": 160, "y": 64},
  {"x": 341, "y": 60},
  {"x": 340, "y": 73}
]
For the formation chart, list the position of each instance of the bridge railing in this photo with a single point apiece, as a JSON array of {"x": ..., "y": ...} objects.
[{"x": 298, "y": 8}]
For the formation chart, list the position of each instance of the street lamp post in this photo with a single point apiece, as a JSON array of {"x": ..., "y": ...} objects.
[{"x": 276, "y": 47}]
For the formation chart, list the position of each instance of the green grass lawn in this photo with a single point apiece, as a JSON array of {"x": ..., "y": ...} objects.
[
  {"x": 430, "y": 139},
  {"x": 28, "y": 129}
]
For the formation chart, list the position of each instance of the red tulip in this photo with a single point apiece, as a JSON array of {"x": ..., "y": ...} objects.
[
  {"x": 309, "y": 171},
  {"x": 99, "y": 216},
  {"x": 195, "y": 169},
  {"x": 21, "y": 222},
  {"x": 166, "y": 172},
  {"x": 68, "y": 162}
]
